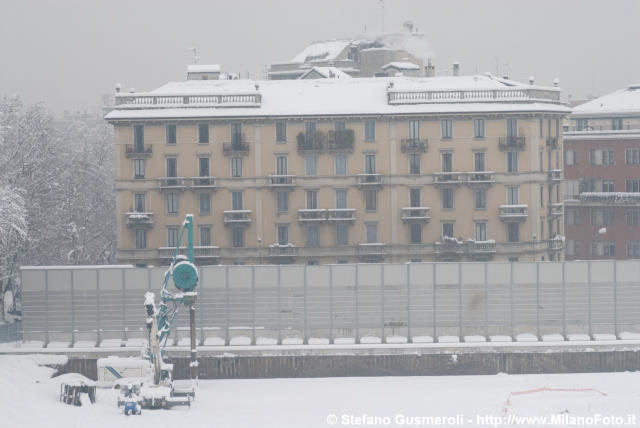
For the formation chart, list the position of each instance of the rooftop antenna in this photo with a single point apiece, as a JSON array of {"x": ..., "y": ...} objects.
[{"x": 195, "y": 55}]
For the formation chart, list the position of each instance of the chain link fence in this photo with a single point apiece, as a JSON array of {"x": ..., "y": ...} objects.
[{"x": 366, "y": 303}]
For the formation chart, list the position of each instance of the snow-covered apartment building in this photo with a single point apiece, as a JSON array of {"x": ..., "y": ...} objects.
[
  {"x": 602, "y": 171},
  {"x": 341, "y": 170}
]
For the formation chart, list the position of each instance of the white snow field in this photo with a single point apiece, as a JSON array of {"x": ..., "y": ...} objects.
[{"x": 29, "y": 398}]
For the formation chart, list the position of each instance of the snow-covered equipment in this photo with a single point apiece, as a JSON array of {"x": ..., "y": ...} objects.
[
  {"x": 132, "y": 407},
  {"x": 184, "y": 275},
  {"x": 71, "y": 392}
]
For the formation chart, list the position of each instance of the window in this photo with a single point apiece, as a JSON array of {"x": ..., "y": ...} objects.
[
  {"x": 541, "y": 127},
  {"x": 203, "y": 167},
  {"x": 616, "y": 124},
  {"x": 447, "y": 230},
  {"x": 602, "y": 217},
  {"x": 582, "y": 124},
  {"x": 512, "y": 195},
  {"x": 172, "y": 169},
  {"x": 339, "y": 126},
  {"x": 370, "y": 163},
  {"x": 172, "y": 236},
  {"x": 138, "y": 138},
  {"x": 479, "y": 161},
  {"x": 416, "y": 233},
  {"x": 571, "y": 189},
  {"x": 541, "y": 161},
  {"x": 633, "y": 249},
  {"x": 312, "y": 199},
  {"x": 513, "y": 232},
  {"x": 632, "y": 156},
  {"x": 341, "y": 164},
  {"x": 541, "y": 195},
  {"x": 203, "y": 133},
  {"x": 414, "y": 197},
  {"x": 341, "y": 198},
  {"x": 572, "y": 247},
  {"x": 342, "y": 234},
  {"x": 237, "y": 237},
  {"x": 447, "y": 129},
  {"x": 309, "y": 127},
  {"x": 236, "y": 200},
  {"x": 414, "y": 130},
  {"x": 633, "y": 185},
  {"x": 478, "y": 128},
  {"x": 138, "y": 168},
  {"x": 170, "y": 134},
  {"x": 600, "y": 157},
  {"x": 371, "y": 200},
  {"x": 512, "y": 161},
  {"x": 141, "y": 239},
  {"x": 204, "y": 203},
  {"x": 447, "y": 198},
  {"x": 603, "y": 248},
  {"x": 236, "y": 166},
  {"x": 281, "y": 164},
  {"x": 236, "y": 134},
  {"x": 281, "y": 132},
  {"x": 512, "y": 127},
  {"x": 607, "y": 185},
  {"x": 139, "y": 203},
  {"x": 481, "y": 231},
  {"x": 311, "y": 165},
  {"x": 371, "y": 232},
  {"x": 282, "y": 230},
  {"x": 633, "y": 217},
  {"x": 172, "y": 203},
  {"x": 571, "y": 157},
  {"x": 414, "y": 163},
  {"x": 447, "y": 161},
  {"x": 205, "y": 236},
  {"x": 312, "y": 235},
  {"x": 541, "y": 228},
  {"x": 282, "y": 201},
  {"x": 573, "y": 216},
  {"x": 480, "y": 198},
  {"x": 369, "y": 130}
]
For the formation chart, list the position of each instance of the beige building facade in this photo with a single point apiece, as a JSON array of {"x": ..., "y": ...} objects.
[{"x": 359, "y": 170}]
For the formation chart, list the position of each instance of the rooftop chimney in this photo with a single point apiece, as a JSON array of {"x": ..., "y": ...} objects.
[
  {"x": 429, "y": 69},
  {"x": 556, "y": 82},
  {"x": 532, "y": 80},
  {"x": 456, "y": 69}
]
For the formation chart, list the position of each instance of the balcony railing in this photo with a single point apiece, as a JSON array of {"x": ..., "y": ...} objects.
[
  {"x": 479, "y": 177},
  {"x": 169, "y": 183},
  {"x": 340, "y": 140},
  {"x": 555, "y": 175},
  {"x": 145, "y": 100},
  {"x": 506, "y": 95},
  {"x": 312, "y": 215},
  {"x": 556, "y": 210},
  {"x": 198, "y": 252},
  {"x": 482, "y": 247},
  {"x": 369, "y": 179},
  {"x": 281, "y": 180},
  {"x": 137, "y": 151},
  {"x": 311, "y": 141},
  {"x": 556, "y": 244},
  {"x": 341, "y": 214},
  {"x": 449, "y": 247},
  {"x": 278, "y": 250},
  {"x": 552, "y": 142},
  {"x": 237, "y": 147},
  {"x": 137, "y": 219},
  {"x": 511, "y": 143},
  {"x": 375, "y": 249},
  {"x": 448, "y": 177},
  {"x": 319, "y": 141},
  {"x": 203, "y": 182},
  {"x": 237, "y": 217},
  {"x": 416, "y": 214},
  {"x": 513, "y": 212},
  {"x": 413, "y": 145}
]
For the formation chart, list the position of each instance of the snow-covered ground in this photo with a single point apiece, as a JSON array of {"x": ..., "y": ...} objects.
[{"x": 29, "y": 398}]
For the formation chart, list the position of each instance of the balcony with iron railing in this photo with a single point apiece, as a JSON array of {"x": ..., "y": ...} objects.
[
  {"x": 311, "y": 142},
  {"x": 280, "y": 250},
  {"x": 513, "y": 212},
  {"x": 415, "y": 214},
  {"x": 312, "y": 215},
  {"x": 203, "y": 182},
  {"x": 552, "y": 142},
  {"x": 449, "y": 247},
  {"x": 199, "y": 252},
  {"x": 556, "y": 244},
  {"x": 414, "y": 145},
  {"x": 479, "y": 177},
  {"x": 237, "y": 217},
  {"x": 341, "y": 214},
  {"x": 138, "y": 150},
  {"x": 340, "y": 141},
  {"x": 139, "y": 219},
  {"x": 173, "y": 183},
  {"x": 448, "y": 178},
  {"x": 555, "y": 175},
  {"x": 481, "y": 247},
  {"x": 556, "y": 210},
  {"x": 511, "y": 143},
  {"x": 238, "y": 146},
  {"x": 278, "y": 180},
  {"x": 369, "y": 179}
]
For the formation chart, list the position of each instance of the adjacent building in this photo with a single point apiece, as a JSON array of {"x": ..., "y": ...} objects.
[
  {"x": 386, "y": 169},
  {"x": 602, "y": 169}
]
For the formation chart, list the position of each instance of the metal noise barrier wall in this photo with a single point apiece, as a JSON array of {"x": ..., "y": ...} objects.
[{"x": 415, "y": 302}]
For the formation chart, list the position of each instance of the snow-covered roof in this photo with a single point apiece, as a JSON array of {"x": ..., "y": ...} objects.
[
  {"x": 321, "y": 97},
  {"x": 402, "y": 66},
  {"x": 203, "y": 68},
  {"x": 622, "y": 102},
  {"x": 327, "y": 73},
  {"x": 326, "y": 50}
]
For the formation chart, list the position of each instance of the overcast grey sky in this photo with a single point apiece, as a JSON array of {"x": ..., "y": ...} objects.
[{"x": 66, "y": 53}]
